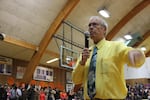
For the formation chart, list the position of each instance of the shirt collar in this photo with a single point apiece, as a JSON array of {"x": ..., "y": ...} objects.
[{"x": 100, "y": 43}]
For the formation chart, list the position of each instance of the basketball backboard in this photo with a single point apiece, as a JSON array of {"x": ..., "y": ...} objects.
[{"x": 68, "y": 57}]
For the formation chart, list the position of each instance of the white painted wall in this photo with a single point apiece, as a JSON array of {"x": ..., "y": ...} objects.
[{"x": 135, "y": 73}]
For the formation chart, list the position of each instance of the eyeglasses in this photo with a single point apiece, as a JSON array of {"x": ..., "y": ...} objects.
[{"x": 93, "y": 24}]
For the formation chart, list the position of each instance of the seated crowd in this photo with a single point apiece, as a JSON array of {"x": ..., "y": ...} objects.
[
  {"x": 138, "y": 91},
  {"x": 32, "y": 92}
]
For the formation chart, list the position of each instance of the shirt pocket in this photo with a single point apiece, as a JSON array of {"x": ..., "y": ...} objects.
[{"x": 108, "y": 66}]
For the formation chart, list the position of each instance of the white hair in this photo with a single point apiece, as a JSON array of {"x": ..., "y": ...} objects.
[{"x": 101, "y": 21}]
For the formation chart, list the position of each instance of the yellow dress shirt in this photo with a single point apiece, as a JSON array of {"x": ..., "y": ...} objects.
[{"x": 110, "y": 82}]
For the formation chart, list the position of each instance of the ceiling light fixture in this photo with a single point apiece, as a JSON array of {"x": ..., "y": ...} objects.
[
  {"x": 104, "y": 12},
  {"x": 128, "y": 37},
  {"x": 143, "y": 48},
  {"x": 52, "y": 60}
]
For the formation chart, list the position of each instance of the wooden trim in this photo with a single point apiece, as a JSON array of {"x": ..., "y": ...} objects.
[
  {"x": 19, "y": 42},
  {"x": 27, "y": 45}
]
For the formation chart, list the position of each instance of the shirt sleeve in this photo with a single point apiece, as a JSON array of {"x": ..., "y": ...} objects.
[
  {"x": 78, "y": 72},
  {"x": 125, "y": 55}
]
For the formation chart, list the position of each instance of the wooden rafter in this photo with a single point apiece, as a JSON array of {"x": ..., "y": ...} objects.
[
  {"x": 47, "y": 38},
  {"x": 27, "y": 45},
  {"x": 148, "y": 54},
  {"x": 126, "y": 18},
  {"x": 18, "y": 42},
  {"x": 145, "y": 36}
]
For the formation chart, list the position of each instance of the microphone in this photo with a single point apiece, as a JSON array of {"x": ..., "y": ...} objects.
[{"x": 87, "y": 35}]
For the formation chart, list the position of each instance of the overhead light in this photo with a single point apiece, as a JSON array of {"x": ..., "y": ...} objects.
[
  {"x": 104, "y": 12},
  {"x": 68, "y": 58},
  {"x": 143, "y": 48},
  {"x": 52, "y": 60},
  {"x": 128, "y": 37}
]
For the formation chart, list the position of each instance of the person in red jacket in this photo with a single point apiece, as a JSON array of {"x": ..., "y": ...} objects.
[
  {"x": 63, "y": 95},
  {"x": 42, "y": 94}
]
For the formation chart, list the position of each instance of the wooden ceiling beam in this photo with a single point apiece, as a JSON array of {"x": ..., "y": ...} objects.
[
  {"x": 145, "y": 36},
  {"x": 47, "y": 38},
  {"x": 148, "y": 54},
  {"x": 18, "y": 42},
  {"x": 126, "y": 18},
  {"x": 27, "y": 45}
]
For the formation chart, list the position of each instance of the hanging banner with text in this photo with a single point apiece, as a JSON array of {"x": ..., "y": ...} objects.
[{"x": 43, "y": 74}]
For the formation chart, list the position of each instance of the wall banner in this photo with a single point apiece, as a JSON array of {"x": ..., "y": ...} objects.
[{"x": 43, "y": 74}]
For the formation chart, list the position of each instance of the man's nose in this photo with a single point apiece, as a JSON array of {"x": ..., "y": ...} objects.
[{"x": 90, "y": 28}]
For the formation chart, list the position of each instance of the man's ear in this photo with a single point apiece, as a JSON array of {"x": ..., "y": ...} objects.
[
  {"x": 105, "y": 34},
  {"x": 104, "y": 31}
]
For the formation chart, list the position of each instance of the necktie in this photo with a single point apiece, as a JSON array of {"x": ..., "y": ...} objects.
[{"x": 91, "y": 75}]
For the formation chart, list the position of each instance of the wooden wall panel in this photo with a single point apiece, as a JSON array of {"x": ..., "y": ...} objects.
[
  {"x": 59, "y": 74},
  {"x": 3, "y": 78}
]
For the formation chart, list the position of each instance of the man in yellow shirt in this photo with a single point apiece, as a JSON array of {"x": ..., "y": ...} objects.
[{"x": 110, "y": 60}]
